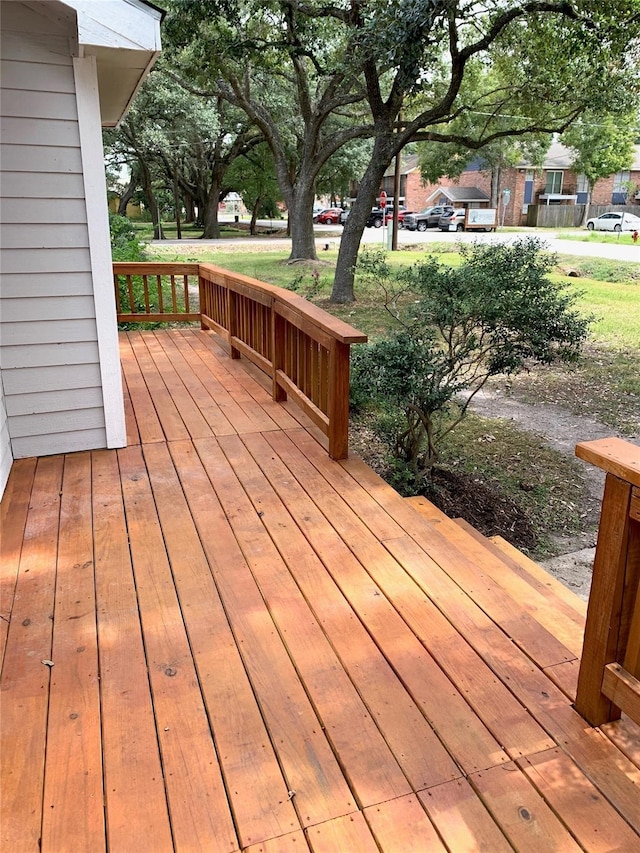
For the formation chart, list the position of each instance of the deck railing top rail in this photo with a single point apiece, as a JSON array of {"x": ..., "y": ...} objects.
[{"x": 304, "y": 349}]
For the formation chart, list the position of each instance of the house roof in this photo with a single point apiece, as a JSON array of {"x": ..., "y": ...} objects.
[
  {"x": 408, "y": 163},
  {"x": 460, "y": 194},
  {"x": 124, "y": 37},
  {"x": 560, "y": 157}
]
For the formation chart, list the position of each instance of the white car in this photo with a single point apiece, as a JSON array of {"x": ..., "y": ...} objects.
[{"x": 615, "y": 221}]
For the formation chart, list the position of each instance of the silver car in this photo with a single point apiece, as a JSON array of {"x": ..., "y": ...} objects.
[{"x": 453, "y": 220}]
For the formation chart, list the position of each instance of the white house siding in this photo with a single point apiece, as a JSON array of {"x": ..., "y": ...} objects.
[
  {"x": 6, "y": 456},
  {"x": 49, "y": 352}
]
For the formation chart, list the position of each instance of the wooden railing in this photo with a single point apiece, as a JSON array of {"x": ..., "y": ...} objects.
[
  {"x": 303, "y": 349},
  {"x": 156, "y": 293},
  {"x": 609, "y": 679}
]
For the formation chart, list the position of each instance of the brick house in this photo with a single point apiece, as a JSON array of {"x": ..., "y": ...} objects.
[{"x": 552, "y": 184}]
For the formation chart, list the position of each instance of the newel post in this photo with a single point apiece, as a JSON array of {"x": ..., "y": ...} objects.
[
  {"x": 338, "y": 402},
  {"x": 609, "y": 668}
]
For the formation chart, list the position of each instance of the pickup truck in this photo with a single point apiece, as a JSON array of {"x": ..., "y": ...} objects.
[{"x": 428, "y": 218}]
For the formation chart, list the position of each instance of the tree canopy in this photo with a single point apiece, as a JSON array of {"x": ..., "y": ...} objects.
[
  {"x": 601, "y": 145},
  {"x": 316, "y": 75}
]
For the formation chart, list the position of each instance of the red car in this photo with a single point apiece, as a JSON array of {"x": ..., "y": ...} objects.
[{"x": 330, "y": 216}]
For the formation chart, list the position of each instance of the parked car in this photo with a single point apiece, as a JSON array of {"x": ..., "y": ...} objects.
[
  {"x": 378, "y": 216},
  {"x": 401, "y": 216},
  {"x": 428, "y": 218},
  {"x": 453, "y": 220},
  {"x": 615, "y": 220},
  {"x": 329, "y": 216},
  {"x": 344, "y": 215}
]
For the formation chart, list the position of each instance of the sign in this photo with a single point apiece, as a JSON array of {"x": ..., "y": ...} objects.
[
  {"x": 481, "y": 217},
  {"x": 383, "y": 199}
]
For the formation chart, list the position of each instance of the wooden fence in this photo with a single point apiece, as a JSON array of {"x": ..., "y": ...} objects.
[
  {"x": 303, "y": 349},
  {"x": 569, "y": 215},
  {"x": 609, "y": 679}
]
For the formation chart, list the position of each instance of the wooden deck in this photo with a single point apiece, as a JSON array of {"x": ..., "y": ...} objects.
[{"x": 219, "y": 639}]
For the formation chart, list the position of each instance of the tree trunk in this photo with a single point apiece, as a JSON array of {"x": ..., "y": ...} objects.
[
  {"x": 147, "y": 188},
  {"x": 189, "y": 207},
  {"x": 585, "y": 212},
  {"x": 176, "y": 204},
  {"x": 254, "y": 215},
  {"x": 210, "y": 224},
  {"x": 343, "y": 289},
  {"x": 496, "y": 174},
  {"x": 300, "y": 219},
  {"x": 127, "y": 195}
]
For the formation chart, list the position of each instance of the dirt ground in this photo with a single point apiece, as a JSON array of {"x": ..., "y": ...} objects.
[{"x": 562, "y": 430}]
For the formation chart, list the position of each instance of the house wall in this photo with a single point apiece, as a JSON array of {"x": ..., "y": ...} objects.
[
  {"x": 50, "y": 355},
  {"x": 6, "y": 456}
]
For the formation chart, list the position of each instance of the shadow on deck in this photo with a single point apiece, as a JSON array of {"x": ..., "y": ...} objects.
[{"x": 220, "y": 639}]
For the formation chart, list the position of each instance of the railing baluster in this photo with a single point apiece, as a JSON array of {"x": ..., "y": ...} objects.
[
  {"x": 174, "y": 300},
  {"x": 132, "y": 301}
]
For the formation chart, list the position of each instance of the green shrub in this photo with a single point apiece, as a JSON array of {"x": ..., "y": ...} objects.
[
  {"x": 498, "y": 312},
  {"x": 125, "y": 245}
]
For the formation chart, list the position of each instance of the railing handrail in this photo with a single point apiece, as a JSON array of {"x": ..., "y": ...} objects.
[
  {"x": 304, "y": 349},
  {"x": 333, "y": 326},
  {"x": 609, "y": 677}
]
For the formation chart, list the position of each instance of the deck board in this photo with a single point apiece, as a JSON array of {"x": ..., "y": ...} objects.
[
  {"x": 73, "y": 769},
  {"x": 131, "y": 753},
  {"x": 258, "y": 649}
]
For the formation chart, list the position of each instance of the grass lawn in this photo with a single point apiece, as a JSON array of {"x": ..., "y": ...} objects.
[
  {"x": 582, "y": 235},
  {"x": 611, "y": 290}
]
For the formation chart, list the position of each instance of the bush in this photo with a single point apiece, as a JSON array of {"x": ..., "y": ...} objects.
[
  {"x": 497, "y": 313},
  {"x": 125, "y": 245}
]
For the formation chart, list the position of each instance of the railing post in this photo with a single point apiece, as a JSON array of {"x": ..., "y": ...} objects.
[
  {"x": 602, "y": 630},
  {"x": 338, "y": 402}
]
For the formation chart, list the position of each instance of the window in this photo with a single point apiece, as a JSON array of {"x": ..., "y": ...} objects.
[
  {"x": 583, "y": 184},
  {"x": 554, "y": 183},
  {"x": 621, "y": 182},
  {"x": 582, "y": 190}
]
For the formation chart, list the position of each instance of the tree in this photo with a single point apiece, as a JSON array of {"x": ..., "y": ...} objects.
[
  {"x": 601, "y": 146},
  {"x": 252, "y": 175},
  {"x": 437, "y": 159},
  {"x": 287, "y": 66},
  {"x": 315, "y": 74},
  {"x": 188, "y": 142},
  {"x": 343, "y": 168},
  {"x": 434, "y": 51},
  {"x": 453, "y": 329}
]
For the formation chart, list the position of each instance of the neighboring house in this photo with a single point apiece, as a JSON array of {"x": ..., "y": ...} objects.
[
  {"x": 552, "y": 183},
  {"x": 68, "y": 68},
  {"x": 459, "y": 196}
]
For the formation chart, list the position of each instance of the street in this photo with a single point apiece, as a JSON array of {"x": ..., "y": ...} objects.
[
  {"x": 613, "y": 251},
  {"x": 330, "y": 235}
]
